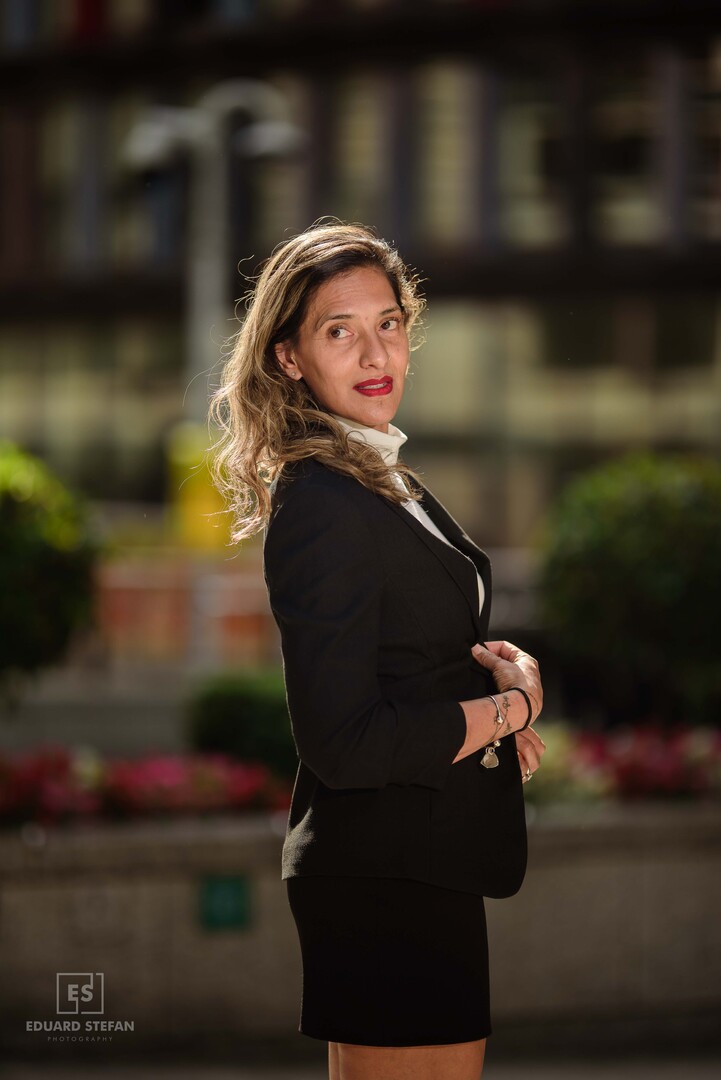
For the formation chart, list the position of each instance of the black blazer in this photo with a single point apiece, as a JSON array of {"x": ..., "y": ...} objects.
[{"x": 377, "y": 617}]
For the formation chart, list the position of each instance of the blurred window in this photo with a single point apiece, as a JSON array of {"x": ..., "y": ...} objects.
[
  {"x": 363, "y": 158},
  {"x": 532, "y": 210},
  {"x": 625, "y": 119},
  {"x": 279, "y": 183},
  {"x": 706, "y": 163},
  {"x": 450, "y": 99},
  {"x": 686, "y": 331},
  {"x": 576, "y": 332},
  {"x": 95, "y": 401},
  {"x": 446, "y": 390}
]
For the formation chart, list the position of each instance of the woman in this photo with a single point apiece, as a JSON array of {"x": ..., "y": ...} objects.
[{"x": 413, "y": 737}]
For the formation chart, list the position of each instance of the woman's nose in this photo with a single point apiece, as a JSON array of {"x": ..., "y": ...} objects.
[{"x": 374, "y": 350}]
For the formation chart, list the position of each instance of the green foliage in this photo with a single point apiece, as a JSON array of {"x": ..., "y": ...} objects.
[
  {"x": 47, "y": 557},
  {"x": 630, "y": 586},
  {"x": 244, "y": 714}
]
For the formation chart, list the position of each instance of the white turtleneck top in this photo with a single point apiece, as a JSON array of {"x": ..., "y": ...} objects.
[{"x": 388, "y": 444}]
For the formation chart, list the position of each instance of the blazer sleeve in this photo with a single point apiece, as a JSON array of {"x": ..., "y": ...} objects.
[{"x": 325, "y": 584}]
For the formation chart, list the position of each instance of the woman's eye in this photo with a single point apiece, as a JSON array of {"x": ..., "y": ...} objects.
[
  {"x": 391, "y": 324},
  {"x": 337, "y": 331}
]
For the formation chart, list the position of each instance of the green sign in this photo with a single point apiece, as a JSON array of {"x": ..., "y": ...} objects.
[{"x": 225, "y": 902}]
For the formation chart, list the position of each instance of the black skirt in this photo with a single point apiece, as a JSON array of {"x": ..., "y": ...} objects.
[{"x": 390, "y": 961}]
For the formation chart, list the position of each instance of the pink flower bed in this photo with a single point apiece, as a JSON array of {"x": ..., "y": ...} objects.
[
  {"x": 635, "y": 763},
  {"x": 54, "y": 784},
  {"x": 647, "y": 762}
]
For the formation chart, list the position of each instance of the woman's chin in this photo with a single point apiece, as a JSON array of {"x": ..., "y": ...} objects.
[{"x": 375, "y": 412}]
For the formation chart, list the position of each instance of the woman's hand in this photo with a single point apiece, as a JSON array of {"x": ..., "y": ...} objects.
[
  {"x": 511, "y": 666},
  {"x": 530, "y": 748}
]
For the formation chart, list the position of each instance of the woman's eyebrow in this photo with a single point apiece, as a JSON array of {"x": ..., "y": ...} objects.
[{"x": 349, "y": 315}]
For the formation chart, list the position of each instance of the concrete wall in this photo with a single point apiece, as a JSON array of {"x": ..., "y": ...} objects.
[{"x": 618, "y": 918}]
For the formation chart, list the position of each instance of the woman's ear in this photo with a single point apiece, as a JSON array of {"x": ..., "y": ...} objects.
[{"x": 286, "y": 360}]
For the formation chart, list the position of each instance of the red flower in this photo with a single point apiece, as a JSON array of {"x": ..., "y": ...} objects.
[{"x": 649, "y": 762}]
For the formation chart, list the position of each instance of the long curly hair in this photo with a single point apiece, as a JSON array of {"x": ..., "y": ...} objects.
[{"x": 268, "y": 420}]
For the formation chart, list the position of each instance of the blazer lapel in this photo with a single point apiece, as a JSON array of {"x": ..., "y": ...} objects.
[
  {"x": 455, "y": 533},
  {"x": 460, "y": 539},
  {"x": 461, "y": 560}
]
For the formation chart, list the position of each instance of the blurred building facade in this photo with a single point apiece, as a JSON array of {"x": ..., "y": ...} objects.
[{"x": 552, "y": 170}]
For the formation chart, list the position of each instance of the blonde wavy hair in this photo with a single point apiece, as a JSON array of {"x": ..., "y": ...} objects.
[{"x": 267, "y": 419}]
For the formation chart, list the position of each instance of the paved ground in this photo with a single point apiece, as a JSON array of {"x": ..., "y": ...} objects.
[{"x": 645, "y": 1069}]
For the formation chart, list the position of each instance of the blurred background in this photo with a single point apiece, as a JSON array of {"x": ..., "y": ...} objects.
[{"x": 552, "y": 170}]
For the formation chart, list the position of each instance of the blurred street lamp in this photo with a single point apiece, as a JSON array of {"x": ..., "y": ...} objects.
[{"x": 242, "y": 120}]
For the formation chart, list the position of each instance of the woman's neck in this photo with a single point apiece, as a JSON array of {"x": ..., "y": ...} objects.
[{"x": 387, "y": 443}]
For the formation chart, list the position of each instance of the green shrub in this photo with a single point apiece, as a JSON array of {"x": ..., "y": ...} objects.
[
  {"x": 244, "y": 713},
  {"x": 630, "y": 588},
  {"x": 47, "y": 557}
]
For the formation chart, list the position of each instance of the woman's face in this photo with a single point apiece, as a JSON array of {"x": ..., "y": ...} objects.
[{"x": 352, "y": 348}]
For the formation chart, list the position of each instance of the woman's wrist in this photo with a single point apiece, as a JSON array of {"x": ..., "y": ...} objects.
[
  {"x": 516, "y": 707},
  {"x": 482, "y": 727},
  {"x": 528, "y": 701},
  {"x": 490, "y": 718}
]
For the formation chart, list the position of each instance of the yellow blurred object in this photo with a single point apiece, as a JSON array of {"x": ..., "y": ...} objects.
[{"x": 196, "y": 509}]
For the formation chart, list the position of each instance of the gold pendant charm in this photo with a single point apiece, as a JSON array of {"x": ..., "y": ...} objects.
[{"x": 489, "y": 759}]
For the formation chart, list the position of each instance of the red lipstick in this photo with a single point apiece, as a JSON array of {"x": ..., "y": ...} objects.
[{"x": 375, "y": 387}]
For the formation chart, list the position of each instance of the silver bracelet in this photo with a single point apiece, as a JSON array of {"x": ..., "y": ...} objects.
[
  {"x": 489, "y": 760},
  {"x": 500, "y": 719}
]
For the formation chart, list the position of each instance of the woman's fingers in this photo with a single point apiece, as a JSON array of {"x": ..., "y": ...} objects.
[
  {"x": 530, "y": 735},
  {"x": 484, "y": 656},
  {"x": 528, "y": 760},
  {"x": 505, "y": 649},
  {"x": 504, "y": 673},
  {"x": 507, "y": 674},
  {"x": 511, "y": 667},
  {"x": 530, "y": 748},
  {"x": 492, "y": 660},
  {"x": 525, "y": 766}
]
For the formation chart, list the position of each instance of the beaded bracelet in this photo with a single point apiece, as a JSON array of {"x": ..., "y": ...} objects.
[{"x": 528, "y": 703}]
